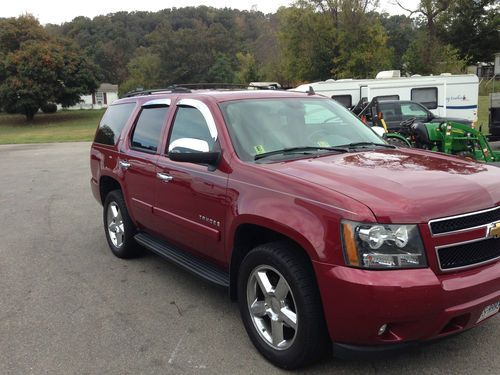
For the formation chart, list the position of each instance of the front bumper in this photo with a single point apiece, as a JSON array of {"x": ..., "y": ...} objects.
[{"x": 417, "y": 305}]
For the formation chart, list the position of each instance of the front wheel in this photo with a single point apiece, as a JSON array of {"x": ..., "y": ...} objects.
[
  {"x": 118, "y": 226},
  {"x": 280, "y": 306}
]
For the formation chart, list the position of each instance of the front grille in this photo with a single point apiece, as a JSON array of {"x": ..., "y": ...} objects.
[
  {"x": 464, "y": 222},
  {"x": 469, "y": 254}
]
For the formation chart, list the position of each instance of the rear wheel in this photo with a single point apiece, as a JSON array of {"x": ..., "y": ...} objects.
[
  {"x": 118, "y": 226},
  {"x": 280, "y": 306}
]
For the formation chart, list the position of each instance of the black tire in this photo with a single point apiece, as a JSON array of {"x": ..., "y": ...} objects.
[
  {"x": 127, "y": 247},
  {"x": 304, "y": 345},
  {"x": 397, "y": 142}
]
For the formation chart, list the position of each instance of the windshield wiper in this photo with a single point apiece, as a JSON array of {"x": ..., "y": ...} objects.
[
  {"x": 300, "y": 150},
  {"x": 365, "y": 144}
]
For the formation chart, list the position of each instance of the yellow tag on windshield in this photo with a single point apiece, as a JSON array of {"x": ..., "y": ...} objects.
[
  {"x": 259, "y": 149},
  {"x": 323, "y": 144}
]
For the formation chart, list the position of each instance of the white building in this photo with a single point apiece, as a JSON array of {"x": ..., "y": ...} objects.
[{"x": 105, "y": 94}]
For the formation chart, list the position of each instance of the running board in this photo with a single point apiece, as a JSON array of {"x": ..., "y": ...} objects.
[{"x": 189, "y": 262}]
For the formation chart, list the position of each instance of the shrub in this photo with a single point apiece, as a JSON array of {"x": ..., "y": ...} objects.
[{"x": 49, "y": 108}]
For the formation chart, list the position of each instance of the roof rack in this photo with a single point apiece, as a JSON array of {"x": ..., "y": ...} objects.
[{"x": 187, "y": 87}]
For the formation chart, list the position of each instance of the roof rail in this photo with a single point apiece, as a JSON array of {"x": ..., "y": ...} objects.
[
  {"x": 187, "y": 87},
  {"x": 210, "y": 85},
  {"x": 154, "y": 91}
]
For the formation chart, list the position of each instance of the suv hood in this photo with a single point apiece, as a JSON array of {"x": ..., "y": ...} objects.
[{"x": 404, "y": 186}]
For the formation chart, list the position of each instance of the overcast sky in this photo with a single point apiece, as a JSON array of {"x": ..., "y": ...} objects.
[{"x": 52, "y": 11}]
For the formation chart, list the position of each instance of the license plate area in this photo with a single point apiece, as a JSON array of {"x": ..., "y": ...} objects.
[{"x": 489, "y": 311}]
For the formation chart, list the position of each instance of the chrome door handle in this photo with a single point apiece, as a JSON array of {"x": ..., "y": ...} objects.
[
  {"x": 164, "y": 177},
  {"x": 124, "y": 164}
]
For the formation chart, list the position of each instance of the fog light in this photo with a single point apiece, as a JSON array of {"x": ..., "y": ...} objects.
[{"x": 382, "y": 329}]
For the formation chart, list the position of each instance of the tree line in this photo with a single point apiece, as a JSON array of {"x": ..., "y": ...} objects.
[{"x": 310, "y": 40}]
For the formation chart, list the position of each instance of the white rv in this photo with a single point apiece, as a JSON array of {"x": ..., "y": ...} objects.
[{"x": 445, "y": 95}]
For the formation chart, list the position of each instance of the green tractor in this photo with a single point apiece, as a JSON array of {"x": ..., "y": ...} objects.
[{"x": 445, "y": 136}]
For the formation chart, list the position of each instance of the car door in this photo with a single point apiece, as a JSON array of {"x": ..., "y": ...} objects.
[
  {"x": 190, "y": 205},
  {"x": 139, "y": 160}
]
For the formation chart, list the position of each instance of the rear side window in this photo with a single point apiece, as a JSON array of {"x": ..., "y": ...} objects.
[
  {"x": 426, "y": 96},
  {"x": 148, "y": 128},
  {"x": 113, "y": 122},
  {"x": 345, "y": 100}
]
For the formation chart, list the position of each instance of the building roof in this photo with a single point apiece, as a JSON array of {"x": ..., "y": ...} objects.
[{"x": 107, "y": 87}]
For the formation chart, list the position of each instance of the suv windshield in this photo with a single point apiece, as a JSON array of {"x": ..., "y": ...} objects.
[{"x": 259, "y": 126}]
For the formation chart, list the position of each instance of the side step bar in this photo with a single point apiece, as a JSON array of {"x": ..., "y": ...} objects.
[{"x": 189, "y": 262}]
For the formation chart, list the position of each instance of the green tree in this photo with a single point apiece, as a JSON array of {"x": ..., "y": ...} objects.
[
  {"x": 446, "y": 58},
  {"x": 427, "y": 43},
  {"x": 222, "y": 69},
  {"x": 42, "y": 71},
  {"x": 400, "y": 31},
  {"x": 308, "y": 43},
  {"x": 247, "y": 71},
  {"x": 143, "y": 72},
  {"x": 473, "y": 27},
  {"x": 15, "y": 31}
]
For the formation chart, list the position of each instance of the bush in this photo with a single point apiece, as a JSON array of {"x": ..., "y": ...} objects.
[{"x": 49, "y": 108}]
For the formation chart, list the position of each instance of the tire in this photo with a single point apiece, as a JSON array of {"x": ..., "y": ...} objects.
[
  {"x": 286, "y": 324},
  {"x": 118, "y": 226},
  {"x": 397, "y": 142}
]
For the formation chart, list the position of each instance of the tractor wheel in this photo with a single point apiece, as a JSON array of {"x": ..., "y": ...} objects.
[{"x": 397, "y": 142}]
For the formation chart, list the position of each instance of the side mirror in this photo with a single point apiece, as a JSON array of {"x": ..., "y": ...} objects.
[{"x": 210, "y": 158}]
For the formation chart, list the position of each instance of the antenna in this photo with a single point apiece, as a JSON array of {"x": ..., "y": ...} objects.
[{"x": 310, "y": 91}]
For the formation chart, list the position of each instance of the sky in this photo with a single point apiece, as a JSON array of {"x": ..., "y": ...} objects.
[{"x": 52, "y": 11}]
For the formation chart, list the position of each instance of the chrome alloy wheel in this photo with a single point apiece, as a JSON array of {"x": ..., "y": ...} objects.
[
  {"x": 272, "y": 307},
  {"x": 116, "y": 228}
]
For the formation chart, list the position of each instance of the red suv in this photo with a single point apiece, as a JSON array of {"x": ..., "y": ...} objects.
[{"x": 322, "y": 231}]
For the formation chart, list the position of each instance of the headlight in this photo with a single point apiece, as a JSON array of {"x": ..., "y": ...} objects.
[{"x": 382, "y": 246}]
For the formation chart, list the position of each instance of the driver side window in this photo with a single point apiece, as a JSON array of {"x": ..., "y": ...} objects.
[{"x": 190, "y": 132}]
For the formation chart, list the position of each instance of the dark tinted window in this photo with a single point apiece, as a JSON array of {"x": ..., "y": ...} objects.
[
  {"x": 189, "y": 126},
  {"x": 391, "y": 111},
  {"x": 148, "y": 128},
  {"x": 345, "y": 100},
  {"x": 426, "y": 96},
  {"x": 112, "y": 123}
]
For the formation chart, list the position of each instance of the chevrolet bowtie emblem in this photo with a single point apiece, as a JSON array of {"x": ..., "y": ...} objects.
[{"x": 495, "y": 230}]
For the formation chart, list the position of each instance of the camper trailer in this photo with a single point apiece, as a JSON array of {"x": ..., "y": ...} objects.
[{"x": 444, "y": 95}]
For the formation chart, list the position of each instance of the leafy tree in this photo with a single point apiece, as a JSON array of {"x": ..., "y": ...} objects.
[
  {"x": 248, "y": 71},
  {"x": 473, "y": 27},
  {"x": 40, "y": 71},
  {"x": 15, "y": 31},
  {"x": 400, "y": 31},
  {"x": 430, "y": 12},
  {"x": 143, "y": 72},
  {"x": 308, "y": 42},
  {"x": 446, "y": 58},
  {"x": 222, "y": 69}
]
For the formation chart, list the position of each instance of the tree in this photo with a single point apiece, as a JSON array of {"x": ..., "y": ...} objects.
[
  {"x": 446, "y": 57},
  {"x": 248, "y": 71},
  {"x": 143, "y": 71},
  {"x": 473, "y": 27},
  {"x": 430, "y": 10},
  {"x": 42, "y": 71},
  {"x": 400, "y": 31}
]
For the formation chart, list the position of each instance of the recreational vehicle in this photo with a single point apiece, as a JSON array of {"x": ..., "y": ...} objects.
[{"x": 444, "y": 95}]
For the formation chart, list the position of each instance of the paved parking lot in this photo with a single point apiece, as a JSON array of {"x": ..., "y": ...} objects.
[{"x": 67, "y": 306}]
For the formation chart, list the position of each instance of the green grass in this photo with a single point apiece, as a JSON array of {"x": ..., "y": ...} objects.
[
  {"x": 64, "y": 126},
  {"x": 482, "y": 113}
]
